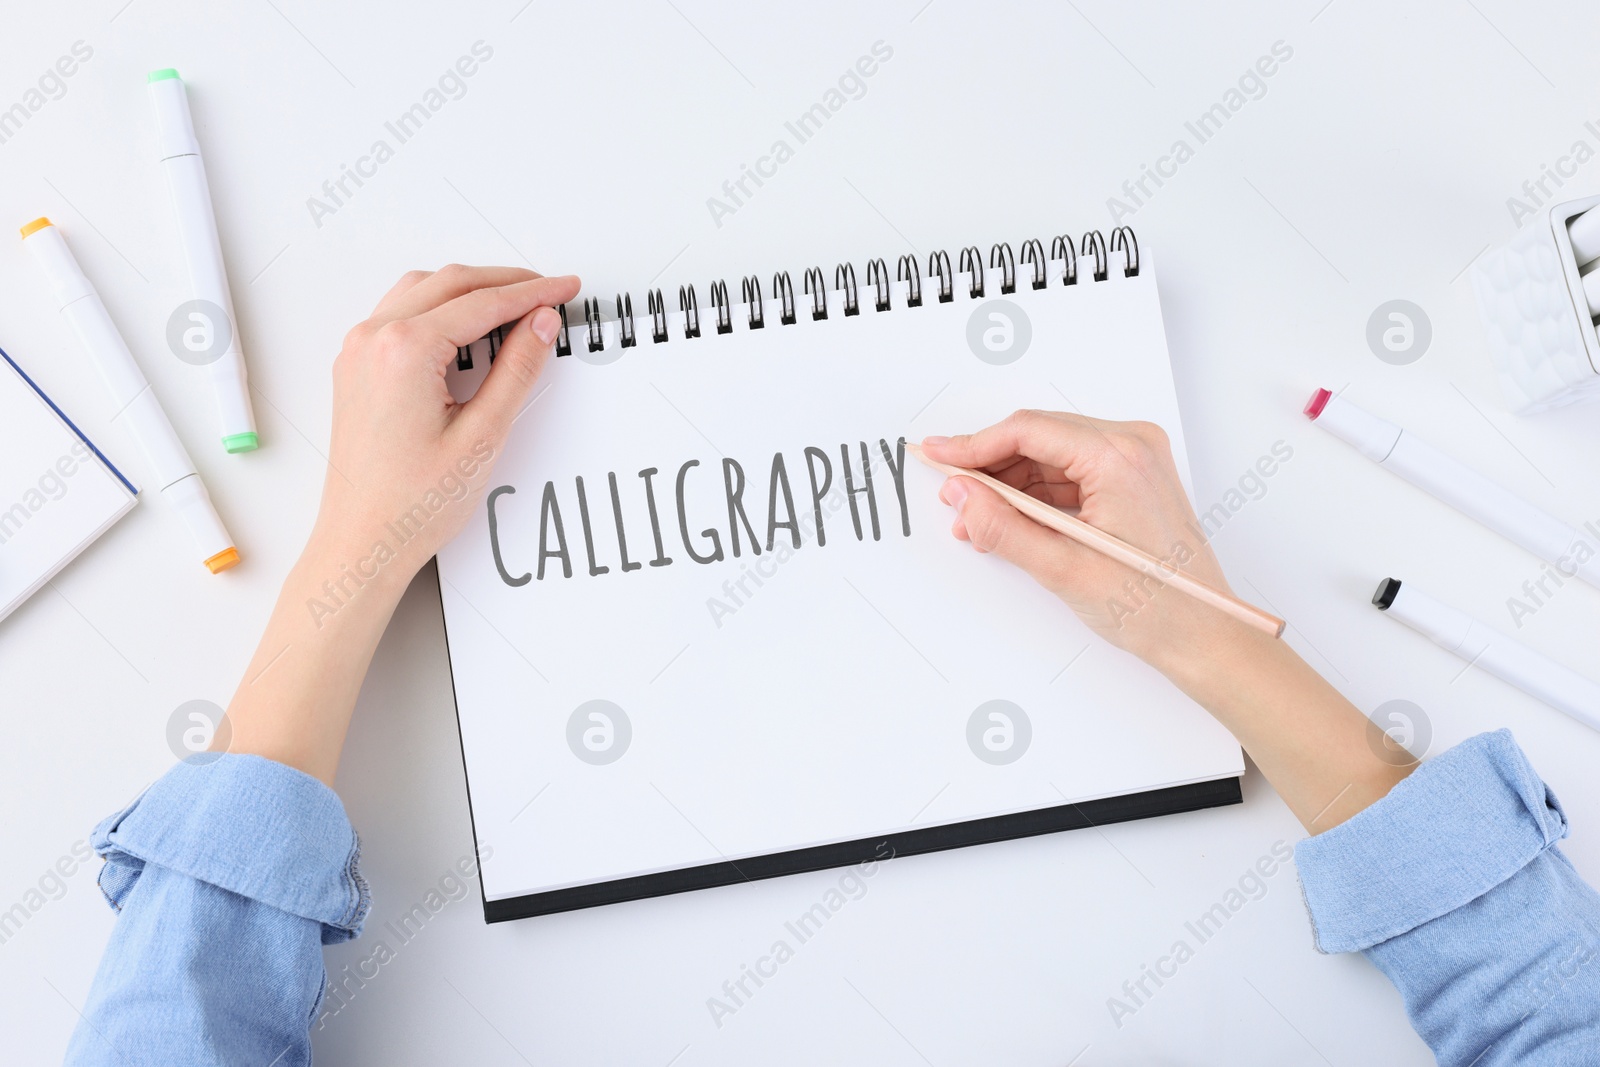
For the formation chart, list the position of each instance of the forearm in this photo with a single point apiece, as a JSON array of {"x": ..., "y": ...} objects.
[
  {"x": 400, "y": 442},
  {"x": 231, "y": 872},
  {"x": 296, "y": 698},
  {"x": 1325, "y": 758}
]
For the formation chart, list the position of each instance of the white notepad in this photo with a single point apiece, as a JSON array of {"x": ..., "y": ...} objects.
[
  {"x": 881, "y": 689},
  {"x": 57, "y": 492}
]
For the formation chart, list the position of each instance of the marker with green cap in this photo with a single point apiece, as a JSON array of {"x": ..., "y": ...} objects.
[{"x": 203, "y": 331}]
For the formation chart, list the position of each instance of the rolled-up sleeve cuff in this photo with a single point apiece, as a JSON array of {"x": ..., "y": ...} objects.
[
  {"x": 1458, "y": 826},
  {"x": 249, "y": 825}
]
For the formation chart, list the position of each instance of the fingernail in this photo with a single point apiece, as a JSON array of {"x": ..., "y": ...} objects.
[
  {"x": 546, "y": 324},
  {"x": 954, "y": 493},
  {"x": 935, "y": 441}
]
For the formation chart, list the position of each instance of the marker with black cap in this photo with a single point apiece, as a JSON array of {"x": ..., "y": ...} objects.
[{"x": 1502, "y": 656}]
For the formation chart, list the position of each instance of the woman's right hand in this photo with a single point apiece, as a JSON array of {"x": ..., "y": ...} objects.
[
  {"x": 1121, "y": 478},
  {"x": 1326, "y": 759}
]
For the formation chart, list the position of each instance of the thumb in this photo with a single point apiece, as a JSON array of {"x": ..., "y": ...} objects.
[
  {"x": 509, "y": 384},
  {"x": 995, "y": 527}
]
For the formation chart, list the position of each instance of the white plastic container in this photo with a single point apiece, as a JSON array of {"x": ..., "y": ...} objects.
[{"x": 1536, "y": 315}]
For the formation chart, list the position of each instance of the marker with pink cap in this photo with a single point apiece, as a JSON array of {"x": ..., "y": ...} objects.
[{"x": 1574, "y": 552}]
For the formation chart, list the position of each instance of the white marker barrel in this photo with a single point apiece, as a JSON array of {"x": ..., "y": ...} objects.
[
  {"x": 171, "y": 469},
  {"x": 1458, "y": 485},
  {"x": 202, "y": 251},
  {"x": 1475, "y": 496},
  {"x": 1500, "y": 654},
  {"x": 1585, "y": 233}
]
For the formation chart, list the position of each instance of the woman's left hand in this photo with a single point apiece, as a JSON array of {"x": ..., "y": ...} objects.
[
  {"x": 403, "y": 452},
  {"x": 406, "y": 466}
]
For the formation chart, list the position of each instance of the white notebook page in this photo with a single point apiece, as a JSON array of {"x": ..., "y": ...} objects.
[
  {"x": 56, "y": 496},
  {"x": 832, "y": 701}
]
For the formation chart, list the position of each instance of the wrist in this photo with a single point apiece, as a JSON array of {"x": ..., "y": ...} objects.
[
  {"x": 1209, "y": 662},
  {"x": 344, "y": 564}
]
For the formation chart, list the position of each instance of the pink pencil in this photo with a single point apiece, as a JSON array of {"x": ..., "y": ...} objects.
[{"x": 1117, "y": 549}]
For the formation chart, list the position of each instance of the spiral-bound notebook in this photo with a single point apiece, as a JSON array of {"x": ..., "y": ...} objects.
[{"x": 709, "y": 624}]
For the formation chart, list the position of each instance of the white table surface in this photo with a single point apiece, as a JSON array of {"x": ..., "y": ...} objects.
[{"x": 1376, "y": 166}]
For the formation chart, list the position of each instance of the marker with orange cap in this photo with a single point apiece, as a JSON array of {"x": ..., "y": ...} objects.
[{"x": 172, "y": 469}]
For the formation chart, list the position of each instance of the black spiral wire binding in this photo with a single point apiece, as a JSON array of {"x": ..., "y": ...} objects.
[
  {"x": 908, "y": 272},
  {"x": 817, "y": 290},
  {"x": 690, "y": 303},
  {"x": 496, "y": 337},
  {"x": 972, "y": 263},
  {"x": 844, "y": 279},
  {"x": 783, "y": 289},
  {"x": 1123, "y": 240},
  {"x": 724, "y": 307},
  {"x": 563, "y": 343},
  {"x": 939, "y": 264},
  {"x": 750, "y": 290},
  {"x": 625, "y": 335},
  {"x": 1000, "y": 256},
  {"x": 591, "y": 319},
  {"x": 1094, "y": 242},
  {"x": 658, "y": 317},
  {"x": 1069, "y": 256},
  {"x": 1033, "y": 253},
  {"x": 878, "y": 278}
]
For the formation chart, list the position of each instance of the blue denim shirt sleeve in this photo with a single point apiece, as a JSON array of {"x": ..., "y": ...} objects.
[
  {"x": 229, "y": 873},
  {"x": 1454, "y": 887}
]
